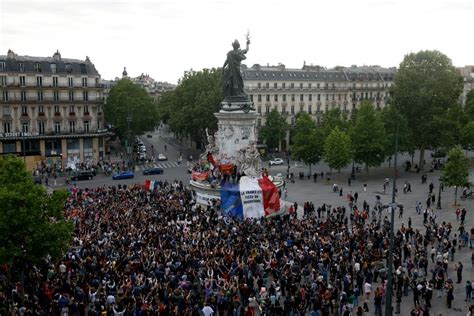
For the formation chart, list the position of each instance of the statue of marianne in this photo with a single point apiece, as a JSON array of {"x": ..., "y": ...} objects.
[{"x": 232, "y": 78}]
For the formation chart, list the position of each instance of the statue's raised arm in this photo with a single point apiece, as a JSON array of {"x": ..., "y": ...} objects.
[{"x": 233, "y": 84}]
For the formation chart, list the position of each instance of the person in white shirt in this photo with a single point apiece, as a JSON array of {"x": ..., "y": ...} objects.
[{"x": 207, "y": 310}]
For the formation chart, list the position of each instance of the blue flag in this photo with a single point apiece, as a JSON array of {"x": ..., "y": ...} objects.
[{"x": 231, "y": 205}]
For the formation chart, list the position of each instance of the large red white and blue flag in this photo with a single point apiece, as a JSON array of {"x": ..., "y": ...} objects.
[{"x": 250, "y": 198}]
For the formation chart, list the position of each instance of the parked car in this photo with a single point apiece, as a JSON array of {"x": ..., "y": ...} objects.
[
  {"x": 123, "y": 175},
  {"x": 153, "y": 171},
  {"x": 37, "y": 180},
  {"x": 142, "y": 155},
  {"x": 162, "y": 157},
  {"x": 438, "y": 154},
  {"x": 149, "y": 136},
  {"x": 82, "y": 175},
  {"x": 276, "y": 161}
]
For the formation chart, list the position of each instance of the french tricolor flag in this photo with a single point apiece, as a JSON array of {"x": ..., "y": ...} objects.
[{"x": 250, "y": 198}]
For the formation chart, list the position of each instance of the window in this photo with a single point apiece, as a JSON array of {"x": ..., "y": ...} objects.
[
  {"x": 284, "y": 97},
  {"x": 22, "y": 81},
  {"x": 318, "y": 108},
  {"x": 56, "y": 109},
  {"x": 57, "y": 128},
  {"x": 327, "y": 97},
  {"x": 292, "y": 109},
  {"x": 267, "y": 98},
  {"x": 72, "y": 126},
  {"x": 25, "y": 127},
  {"x": 259, "y": 85},
  {"x": 71, "y": 109},
  {"x": 317, "y": 85},
  {"x": 301, "y": 97},
  {"x": 2, "y": 66},
  {"x": 259, "y": 98},
  {"x": 251, "y": 97},
  {"x": 259, "y": 109},
  {"x": 98, "y": 123},
  {"x": 40, "y": 96},
  {"x": 5, "y": 95},
  {"x": 275, "y": 85},
  {"x": 70, "y": 82},
  {"x": 56, "y": 96},
  {"x": 259, "y": 122},
  {"x": 85, "y": 95},
  {"x": 310, "y": 97},
  {"x": 24, "y": 110},
  {"x": 6, "y": 111},
  {"x": 267, "y": 85},
  {"x": 319, "y": 97},
  {"x": 267, "y": 109},
  {"x": 292, "y": 85},
  {"x": 23, "y": 96},
  {"x": 333, "y": 96},
  {"x": 86, "y": 126},
  {"x": 53, "y": 68},
  {"x": 3, "y": 80},
  {"x": 39, "y": 81},
  {"x": 283, "y": 109},
  {"x": 283, "y": 85},
  {"x": 21, "y": 67},
  {"x": 292, "y": 97},
  {"x": 293, "y": 120},
  {"x": 301, "y": 85},
  {"x": 86, "y": 110},
  {"x": 41, "y": 109},
  {"x": 68, "y": 68},
  {"x": 301, "y": 107},
  {"x": 83, "y": 68},
  {"x": 309, "y": 85},
  {"x": 6, "y": 127},
  {"x": 275, "y": 97},
  {"x": 71, "y": 95},
  {"x": 41, "y": 127},
  {"x": 37, "y": 67},
  {"x": 84, "y": 82},
  {"x": 309, "y": 109},
  {"x": 55, "y": 81}
]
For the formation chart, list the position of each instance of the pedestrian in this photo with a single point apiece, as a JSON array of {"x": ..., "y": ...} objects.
[
  {"x": 409, "y": 187},
  {"x": 356, "y": 196},
  {"x": 405, "y": 187},
  {"x": 286, "y": 193},
  {"x": 459, "y": 269},
  {"x": 431, "y": 187},
  {"x": 458, "y": 212},
  {"x": 469, "y": 290},
  {"x": 340, "y": 191},
  {"x": 349, "y": 182},
  {"x": 383, "y": 192},
  {"x": 365, "y": 187}
]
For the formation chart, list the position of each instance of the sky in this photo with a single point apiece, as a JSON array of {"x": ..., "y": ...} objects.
[{"x": 166, "y": 38}]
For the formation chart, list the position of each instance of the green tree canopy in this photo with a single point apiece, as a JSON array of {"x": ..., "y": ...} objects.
[
  {"x": 190, "y": 108},
  {"x": 274, "y": 130},
  {"x": 395, "y": 122},
  {"x": 456, "y": 170},
  {"x": 32, "y": 225},
  {"x": 307, "y": 140},
  {"x": 130, "y": 109},
  {"x": 467, "y": 136},
  {"x": 337, "y": 149},
  {"x": 334, "y": 118},
  {"x": 425, "y": 86},
  {"x": 369, "y": 140}
]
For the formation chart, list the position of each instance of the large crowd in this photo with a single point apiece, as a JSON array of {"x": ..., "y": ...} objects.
[{"x": 139, "y": 252}]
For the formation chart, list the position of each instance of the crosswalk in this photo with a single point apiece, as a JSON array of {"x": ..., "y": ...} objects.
[{"x": 161, "y": 164}]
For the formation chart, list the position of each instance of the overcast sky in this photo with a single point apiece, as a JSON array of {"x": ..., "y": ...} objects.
[{"x": 165, "y": 38}]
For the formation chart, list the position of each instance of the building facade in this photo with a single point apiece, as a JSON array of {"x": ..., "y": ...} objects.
[
  {"x": 467, "y": 72},
  {"x": 51, "y": 110},
  {"x": 314, "y": 89}
]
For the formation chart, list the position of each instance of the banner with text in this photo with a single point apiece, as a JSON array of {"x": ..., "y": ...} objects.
[{"x": 251, "y": 197}]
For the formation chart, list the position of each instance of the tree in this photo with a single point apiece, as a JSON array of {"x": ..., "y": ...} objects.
[
  {"x": 274, "y": 130},
  {"x": 394, "y": 122},
  {"x": 337, "y": 149},
  {"x": 334, "y": 118},
  {"x": 368, "y": 137},
  {"x": 456, "y": 170},
  {"x": 467, "y": 136},
  {"x": 190, "y": 108},
  {"x": 307, "y": 140},
  {"x": 425, "y": 86},
  {"x": 130, "y": 109},
  {"x": 32, "y": 225}
]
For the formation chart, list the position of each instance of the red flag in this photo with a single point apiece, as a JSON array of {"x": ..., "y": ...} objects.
[
  {"x": 200, "y": 176},
  {"x": 271, "y": 198},
  {"x": 211, "y": 159},
  {"x": 147, "y": 184}
]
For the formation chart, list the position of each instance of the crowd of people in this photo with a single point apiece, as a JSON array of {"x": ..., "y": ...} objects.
[{"x": 139, "y": 252}]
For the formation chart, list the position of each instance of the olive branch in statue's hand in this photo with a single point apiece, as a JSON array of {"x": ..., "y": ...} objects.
[{"x": 247, "y": 36}]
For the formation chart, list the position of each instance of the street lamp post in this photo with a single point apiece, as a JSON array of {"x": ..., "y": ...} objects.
[
  {"x": 438, "y": 205},
  {"x": 388, "y": 301}
]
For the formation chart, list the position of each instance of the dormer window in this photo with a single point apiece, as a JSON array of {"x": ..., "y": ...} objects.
[
  {"x": 53, "y": 68},
  {"x": 37, "y": 67},
  {"x": 68, "y": 68},
  {"x": 21, "y": 67}
]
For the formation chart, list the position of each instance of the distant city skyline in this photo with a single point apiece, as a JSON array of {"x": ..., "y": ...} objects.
[{"x": 166, "y": 38}]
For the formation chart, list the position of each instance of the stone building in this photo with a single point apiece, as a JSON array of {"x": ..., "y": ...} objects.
[
  {"x": 314, "y": 89},
  {"x": 467, "y": 72},
  {"x": 51, "y": 110}
]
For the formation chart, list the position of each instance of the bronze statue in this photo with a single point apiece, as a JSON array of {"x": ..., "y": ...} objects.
[{"x": 232, "y": 78}]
